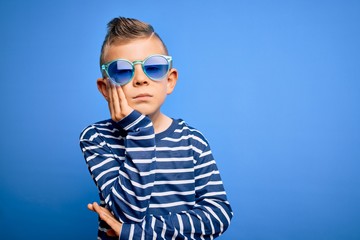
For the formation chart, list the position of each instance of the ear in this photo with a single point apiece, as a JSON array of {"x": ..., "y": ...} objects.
[
  {"x": 171, "y": 80},
  {"x": 102, "y": 85}
]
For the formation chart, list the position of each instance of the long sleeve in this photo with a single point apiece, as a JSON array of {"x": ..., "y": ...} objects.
[
  {"x": 207, "y": 219},
  {"x": 163, "y": 186},
  {"x": 122, "y": 166}
]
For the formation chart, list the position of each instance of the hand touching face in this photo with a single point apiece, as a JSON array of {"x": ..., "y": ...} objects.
[{"x": 141, "y": 93}]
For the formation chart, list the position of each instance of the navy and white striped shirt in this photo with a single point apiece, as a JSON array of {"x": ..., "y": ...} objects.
[{"x": 160, "y": 186}]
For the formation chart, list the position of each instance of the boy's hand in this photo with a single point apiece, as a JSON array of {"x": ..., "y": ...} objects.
[
  {"x": 118, "y": 105},
  {"x": 106, "y": 216}
]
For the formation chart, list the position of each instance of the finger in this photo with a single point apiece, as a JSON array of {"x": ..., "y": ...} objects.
[
  {"x": 121, "y": 95},
  {"x": 125, "y": 108},
  {"x": 110, "y": 102},
  {"x": 116, "y": 103},
  {"x": 106, "y": 216},
  {"x": 112, "y": 222},
  {"x": 111, "y": 233},
  {"x": 100, "y": 210},
  {"x": 90, "y": 207},
  {"x": 96, "y": 207}
]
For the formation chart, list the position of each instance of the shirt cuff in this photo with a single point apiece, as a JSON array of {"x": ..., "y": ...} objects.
[{"x": 133, "y": 121}]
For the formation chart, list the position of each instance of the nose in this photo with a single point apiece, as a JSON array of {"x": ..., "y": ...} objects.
[{"x": 140, "y": 77}]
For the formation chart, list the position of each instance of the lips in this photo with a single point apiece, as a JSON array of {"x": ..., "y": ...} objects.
[{"x": 142, "y": 96}]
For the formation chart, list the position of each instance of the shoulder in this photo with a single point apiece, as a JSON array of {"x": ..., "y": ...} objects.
[
  {"x": 195, "y": 136},
  {"x": 104, "y": 127}
]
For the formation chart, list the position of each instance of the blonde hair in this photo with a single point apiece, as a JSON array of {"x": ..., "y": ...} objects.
[{"x": 126, "y": 29}]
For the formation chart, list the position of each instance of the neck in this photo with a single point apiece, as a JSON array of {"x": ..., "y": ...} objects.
[{"x": 160, "y": 121}]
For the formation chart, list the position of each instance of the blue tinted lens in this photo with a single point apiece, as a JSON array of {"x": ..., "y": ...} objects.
[
  {"x": 120, "y": 72},
  {"x": 156, "y": 67}
]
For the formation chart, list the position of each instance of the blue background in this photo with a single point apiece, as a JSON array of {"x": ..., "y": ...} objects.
[{"x": 273, "y": 85}]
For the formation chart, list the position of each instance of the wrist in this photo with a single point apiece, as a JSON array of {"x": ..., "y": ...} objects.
[{"x": 134, "y": 121}]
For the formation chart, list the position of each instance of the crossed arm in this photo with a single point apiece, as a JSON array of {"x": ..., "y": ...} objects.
[{"x": 210, "y": 216}]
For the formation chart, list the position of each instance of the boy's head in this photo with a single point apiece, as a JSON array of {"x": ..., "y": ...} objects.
[
  {"x": 133, "y": 43},
  {"x": 123, "y": 30}
]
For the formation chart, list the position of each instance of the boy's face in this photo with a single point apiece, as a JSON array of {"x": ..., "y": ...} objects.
[{"x": 142, "y": 93}]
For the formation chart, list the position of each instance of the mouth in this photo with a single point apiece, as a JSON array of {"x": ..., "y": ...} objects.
[{"x": 142, "y": 96}]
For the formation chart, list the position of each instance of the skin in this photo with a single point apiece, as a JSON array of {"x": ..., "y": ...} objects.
[
  {"x": 106, "y": 216},
  {"x": 141, "y": 94}
]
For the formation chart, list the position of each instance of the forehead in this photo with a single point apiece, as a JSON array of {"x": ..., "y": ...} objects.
[{"x": 137, "y": 49}]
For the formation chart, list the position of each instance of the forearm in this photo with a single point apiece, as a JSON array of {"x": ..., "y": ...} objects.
[
  {"x": 208, "y": 218},
  {"x": 125, "y": 184},
  {"x": 207, "y": 221}
]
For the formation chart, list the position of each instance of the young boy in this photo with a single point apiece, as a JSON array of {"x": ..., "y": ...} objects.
[{"x": 155, "y": 174}]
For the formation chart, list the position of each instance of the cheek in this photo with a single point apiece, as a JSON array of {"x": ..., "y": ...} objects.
[
  {"x": 126, "y": 90},
  {"x": 163, "y": 91}
]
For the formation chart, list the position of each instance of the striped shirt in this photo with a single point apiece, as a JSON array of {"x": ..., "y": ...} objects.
[{"x": 160, "y": 186}]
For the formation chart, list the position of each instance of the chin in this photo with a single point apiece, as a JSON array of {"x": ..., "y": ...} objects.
[
  {"x": 148, "y": 112},
  {"x": 144, "y": 111}
]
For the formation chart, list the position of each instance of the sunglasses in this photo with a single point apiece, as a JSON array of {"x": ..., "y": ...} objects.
[{"x": 121, "y": 71}]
